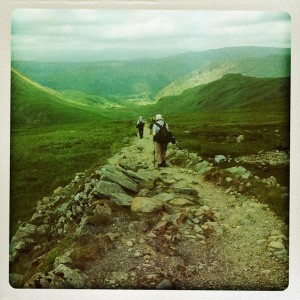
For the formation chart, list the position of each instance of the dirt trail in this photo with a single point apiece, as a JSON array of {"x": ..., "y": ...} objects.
[{"x": 236, "y": 255}]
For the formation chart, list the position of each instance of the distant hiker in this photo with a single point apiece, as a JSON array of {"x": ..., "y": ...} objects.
[
  {"x": 159, "y": 129},
  {"x": 140, "y": 126}
]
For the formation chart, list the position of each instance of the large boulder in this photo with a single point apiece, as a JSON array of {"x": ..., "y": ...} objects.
[
  {"x": 105, "y": 189},
  {"x": 112, "y": 174}
]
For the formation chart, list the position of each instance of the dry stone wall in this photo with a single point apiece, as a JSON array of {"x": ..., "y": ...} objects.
[{"x": 130, "y": 225}]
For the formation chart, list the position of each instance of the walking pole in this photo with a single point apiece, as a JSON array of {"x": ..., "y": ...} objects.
[{"x": 154, "y": 154}]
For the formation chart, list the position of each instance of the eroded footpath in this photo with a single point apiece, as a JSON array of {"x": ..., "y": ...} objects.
[{"x": 131, "y": 225}]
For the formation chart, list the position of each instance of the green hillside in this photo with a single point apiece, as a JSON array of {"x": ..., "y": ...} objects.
[
  {"x": 144, "y": 77},
  {"x": 89, "y": 100},
  {"x": 82, "y": 130},
  {"x": 33, "y": 104},
  {"x": 230, "y": 92},
  {"x": 53, "y": 137}
]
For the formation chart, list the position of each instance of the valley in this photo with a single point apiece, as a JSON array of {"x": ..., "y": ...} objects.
[
  {"x": 71, "y": 118},
  {"x": 154, "y": 78}
]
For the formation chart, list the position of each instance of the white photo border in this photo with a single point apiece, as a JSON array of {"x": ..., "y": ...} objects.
[{"x": 290, "y": 6}]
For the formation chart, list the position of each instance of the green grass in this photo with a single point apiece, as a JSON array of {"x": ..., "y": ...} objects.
[
  {"x": 276, "y": 197},
  {"x": 210, "y": 134},
  {"x": 215, "y": 132},
  {"x": 52, "y": 139},
  {"x": 233, "y": 91},
  {"x": 33, "y": 104},
  {"x": 46, "y": 157}
]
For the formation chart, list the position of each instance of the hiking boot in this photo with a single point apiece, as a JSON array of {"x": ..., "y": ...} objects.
[{"x": 162, "y": 165}]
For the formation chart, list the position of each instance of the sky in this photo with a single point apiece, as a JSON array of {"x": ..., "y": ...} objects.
[{"x": 93, "y": 35}]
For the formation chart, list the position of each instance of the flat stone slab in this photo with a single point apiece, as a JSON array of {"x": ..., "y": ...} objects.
[
  {"x": 145, "y": 205},
  {"x": 104, "y": 189},
  {"x": 181, "y": 202},
  {"x": 121, "y": 199},
  {"x": 112, "y": 174}
]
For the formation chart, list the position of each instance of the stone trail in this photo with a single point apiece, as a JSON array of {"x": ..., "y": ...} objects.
[{"x": 131, "y": 225}]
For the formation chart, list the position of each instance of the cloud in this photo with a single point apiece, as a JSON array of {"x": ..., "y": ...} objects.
[{"x": 143, "y": 31}]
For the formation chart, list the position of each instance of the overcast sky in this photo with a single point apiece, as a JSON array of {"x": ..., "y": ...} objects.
[{"x": 79, "y": 35}]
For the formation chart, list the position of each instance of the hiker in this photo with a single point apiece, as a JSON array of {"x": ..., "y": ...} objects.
[
  {"x": 160, "y": 147},
  {"x": 140, "y": 125}
]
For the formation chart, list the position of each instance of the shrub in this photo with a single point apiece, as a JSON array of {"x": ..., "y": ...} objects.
[
  {"x": 276, "y": 198},
  {"x": 216, "y": 175}
]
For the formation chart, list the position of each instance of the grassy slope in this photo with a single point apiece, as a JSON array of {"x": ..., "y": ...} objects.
[
  {"x": 207, "y": 119},
  {"x": 210, "y": 134},
  {"x": 33, "y": 104},
  {"x": 52, "y": 139},
  {"x": 230, "y": 92},
  {"x": 88, "y": 100},
  {"x": 45, "y": 157}
]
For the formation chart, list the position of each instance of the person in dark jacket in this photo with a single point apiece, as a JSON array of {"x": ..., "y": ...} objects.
[{"x": 140, "y": 126}]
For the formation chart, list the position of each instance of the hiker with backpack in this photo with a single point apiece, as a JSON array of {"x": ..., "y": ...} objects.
[
  {"x": 160, "y": 131},
  {"x": 140, "y": 126}
]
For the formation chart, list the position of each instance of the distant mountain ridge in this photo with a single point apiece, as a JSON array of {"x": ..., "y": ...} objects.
[
  {"x": 271, "y": 66},
  {"x": 145, "y": 78}
]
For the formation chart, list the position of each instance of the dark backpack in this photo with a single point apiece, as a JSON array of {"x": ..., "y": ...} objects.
[
  {"x": 164, "y": 136},
  {"x": 140, "y": 124}
]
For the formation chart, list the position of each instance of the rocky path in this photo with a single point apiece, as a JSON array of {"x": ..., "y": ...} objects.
[
  {"x": 170, "y": 230},
  {"x": 231, "y": 251}
]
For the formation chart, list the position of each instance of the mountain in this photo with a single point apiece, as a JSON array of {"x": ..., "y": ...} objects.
[
  {"x": 33, "y": 104},
  {"x": 232, "y": 91},
  {"x": 131, "y": 79},
  {"x": 273, "y": 66},
  {"x": 144, "y": 78}
]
